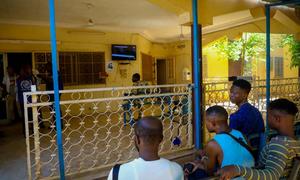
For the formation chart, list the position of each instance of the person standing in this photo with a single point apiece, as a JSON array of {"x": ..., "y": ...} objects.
[
  {"x": 9, "y": 83},
  {"x": 24, "y": 83},
  {"x": 247, "y": 119}
]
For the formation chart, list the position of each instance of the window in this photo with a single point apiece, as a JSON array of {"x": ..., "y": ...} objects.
[
  {"x": 79, "y": 68},
  {"x": 278, "y": 66},
  {"x": 41, "y": 59},
  {"x": 76, "y": 68}
]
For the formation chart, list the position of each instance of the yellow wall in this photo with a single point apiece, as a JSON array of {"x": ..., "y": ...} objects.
[
  {"x": 217, "y": 66},
  {"x": 183, "y": 59},
  {"x": 259, "y": 65},
  {"x": 72, "y": 41},
  {"x": 88, "y": 42},
  {"x": 179, "y": 51}
]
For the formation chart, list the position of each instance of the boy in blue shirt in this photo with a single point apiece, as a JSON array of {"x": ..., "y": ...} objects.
[{"x": 247, "y": 119}]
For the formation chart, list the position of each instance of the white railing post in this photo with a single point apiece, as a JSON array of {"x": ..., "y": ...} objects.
[
  {"x": 27, "y": 135},
  {"x": 36, "y": 133}
]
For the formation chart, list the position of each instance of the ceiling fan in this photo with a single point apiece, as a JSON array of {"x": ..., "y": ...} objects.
[{"x": 90, "y": 23}]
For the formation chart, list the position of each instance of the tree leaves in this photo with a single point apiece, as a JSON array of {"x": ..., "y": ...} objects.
[{"x": 294, "y": 49}]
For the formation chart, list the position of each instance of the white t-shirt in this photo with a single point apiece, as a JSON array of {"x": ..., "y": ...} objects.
[
  {"x": 10, "y": 82},
  {"x": 140, "y": 169}
]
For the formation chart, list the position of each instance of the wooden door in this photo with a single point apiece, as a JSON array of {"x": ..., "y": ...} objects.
[{"x": 147, "y": 68}]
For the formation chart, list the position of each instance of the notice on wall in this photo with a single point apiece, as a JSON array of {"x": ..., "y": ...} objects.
[{"x": 109, "y": 66}]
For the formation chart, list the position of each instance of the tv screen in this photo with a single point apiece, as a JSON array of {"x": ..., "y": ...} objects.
[{"x": 123, "y": 52}]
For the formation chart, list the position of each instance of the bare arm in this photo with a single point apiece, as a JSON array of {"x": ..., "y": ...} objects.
[{"x": 213, "y": 153}]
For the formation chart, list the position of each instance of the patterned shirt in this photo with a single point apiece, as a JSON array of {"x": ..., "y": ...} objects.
[
  {"x": 140, "y": 90},
  {"x": 276, "y": 159}
]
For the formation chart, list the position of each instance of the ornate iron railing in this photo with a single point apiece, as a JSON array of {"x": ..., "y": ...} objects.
[{"x": 98, "y": 126}]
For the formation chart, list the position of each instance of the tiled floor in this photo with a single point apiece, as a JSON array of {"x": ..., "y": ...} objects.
[
  {"x": 12, "y": 153},
  {"x": 13, "y": 164}
]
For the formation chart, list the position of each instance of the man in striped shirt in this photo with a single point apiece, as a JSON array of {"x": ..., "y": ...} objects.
[{"x": 277, "y": 156}]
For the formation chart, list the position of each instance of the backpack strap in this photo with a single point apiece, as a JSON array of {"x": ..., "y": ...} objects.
[
  {"x": 241, "y": 142},
  {"x": 115, "y": 172}
]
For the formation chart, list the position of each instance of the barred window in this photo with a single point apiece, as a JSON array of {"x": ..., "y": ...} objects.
[
  {"x": 41, "y": 59},
  {"x": 79, "y": 68},
  {"x": 76, "y": 68}
]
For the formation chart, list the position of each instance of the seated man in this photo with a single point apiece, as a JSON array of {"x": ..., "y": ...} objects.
[
  {"x": 223, "y": 149},
  {"x": 149, "y": 166},
  {"x": 136, "y": 80},
  {"x": 276, "y": 158},
  {"x": 131, "y": 103},
  {"x": 247, "y": 119}
]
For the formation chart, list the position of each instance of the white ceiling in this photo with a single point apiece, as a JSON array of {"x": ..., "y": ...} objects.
[{"x": 136, "y": 16}]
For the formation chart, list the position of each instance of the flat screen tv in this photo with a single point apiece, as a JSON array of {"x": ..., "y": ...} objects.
[{"x": 123, "y": 52}]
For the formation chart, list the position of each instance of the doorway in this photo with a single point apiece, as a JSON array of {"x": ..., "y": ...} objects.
[
  {"x": 161, "y": 65},
  {"x": 9, "y": 106},
  {"x": 165, "y": 71},
  {"x": 17, "y": 60}
]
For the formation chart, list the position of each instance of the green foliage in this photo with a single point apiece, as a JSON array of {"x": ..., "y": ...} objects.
[
  {"x": 294, "y": 49},
  {"x": 254, "y": 45},
  {"x": 244, "y": 48}
]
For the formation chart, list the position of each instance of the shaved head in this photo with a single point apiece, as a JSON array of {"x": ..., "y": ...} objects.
[
  {"x": 149, "y": 129},
  {"x": 218, "y": 111}
]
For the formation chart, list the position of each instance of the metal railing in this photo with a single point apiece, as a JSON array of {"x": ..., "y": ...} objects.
[
  {"x": 98, "y": 123},
  {"x": 98, "y": 126},
  {"x": 218, "y": 94}
]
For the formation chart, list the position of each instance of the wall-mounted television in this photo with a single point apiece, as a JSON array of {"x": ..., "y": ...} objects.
[{"x": 123, "y": 52}]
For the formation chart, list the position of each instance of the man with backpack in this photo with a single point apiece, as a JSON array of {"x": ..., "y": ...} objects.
[
  {"x": 149, "y": 166},
  {"x": 227, "y": 147}
]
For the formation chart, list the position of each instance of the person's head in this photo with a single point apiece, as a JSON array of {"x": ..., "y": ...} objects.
[
  {"x": 10, "y": 71},
  {"x": 136, "y": 77},
  {"x": 239, "y": 91},
  {"x": 27, "y": 69},
  {"x": 282, "y": 113},
  {"x": 148, "y": 133},
  {"x": 215, "y": 117},
  {"x": 22, "y": 72}
]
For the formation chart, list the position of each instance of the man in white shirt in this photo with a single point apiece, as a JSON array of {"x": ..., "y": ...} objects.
[
  {"x": 149, "y": 166},
  {"x": 9, "y": 81}
]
